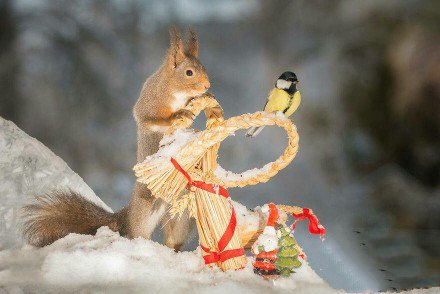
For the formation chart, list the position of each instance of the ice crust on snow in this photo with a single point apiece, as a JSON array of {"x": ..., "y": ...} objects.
[{"x": 28, "y": 168}]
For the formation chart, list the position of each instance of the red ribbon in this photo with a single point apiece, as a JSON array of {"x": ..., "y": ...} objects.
[
  {"x": 212, "y": 188},
  {"x": 222, "y": 254},
  {"x": 314, "y": 226},
  {"x": 213, "y": 256}
]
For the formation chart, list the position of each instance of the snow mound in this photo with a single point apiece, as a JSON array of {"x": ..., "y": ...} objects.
[
  {"x": 28, "y": 168},
  {"x": 108, "y": 262}
]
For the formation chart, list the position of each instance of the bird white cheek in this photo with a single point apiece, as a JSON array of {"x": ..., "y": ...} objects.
[{"x": 282, "y": 84}]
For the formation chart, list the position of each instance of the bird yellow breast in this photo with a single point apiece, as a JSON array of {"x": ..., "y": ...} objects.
[
  {"x": 278, "y": 100},
  {"x": 296, "y": 101}
]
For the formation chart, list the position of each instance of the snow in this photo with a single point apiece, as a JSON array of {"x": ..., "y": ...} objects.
[
  {"x": 255, "y": 219},
  {"x": 265, "y": 209},
  {"x": 108, "y": 262},
  {"x": 171, "y": 144},
  {"x": 28, "y": 168},
  {"x": 230, "y": 176},
  {"x": 246, "y": 219}
]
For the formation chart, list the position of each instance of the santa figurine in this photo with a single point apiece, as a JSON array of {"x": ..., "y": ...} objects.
[{"x": 276, "y": 251}]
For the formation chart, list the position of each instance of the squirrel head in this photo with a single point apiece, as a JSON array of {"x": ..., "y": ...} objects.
[{"x": 185, "y": 75}]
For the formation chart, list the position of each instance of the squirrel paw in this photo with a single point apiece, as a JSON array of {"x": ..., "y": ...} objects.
[
  {"x": 216, "y": 112},
  {"x": 183, "y": 116}
]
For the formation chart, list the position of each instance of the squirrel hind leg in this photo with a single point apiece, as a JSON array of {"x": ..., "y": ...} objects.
[
  {"x": 177, "y": 230},
  {"x": 55, "y": 215}
]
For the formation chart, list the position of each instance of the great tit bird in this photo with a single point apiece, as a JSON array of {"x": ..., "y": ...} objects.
[{"x": 284, "y": 97}]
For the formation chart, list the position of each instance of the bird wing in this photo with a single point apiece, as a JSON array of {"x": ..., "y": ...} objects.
[
  {"x": 296, "y": 101},
  {"x": 265, "y": 105},
  {"x": 278, "y": 100}
]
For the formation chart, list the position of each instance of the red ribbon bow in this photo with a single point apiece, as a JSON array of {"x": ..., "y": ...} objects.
[
  {"x": 222, "y": 254},
  {"x": 314, "y": 226}
]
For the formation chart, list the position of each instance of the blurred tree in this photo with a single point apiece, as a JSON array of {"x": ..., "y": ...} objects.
[{"x": 394, "y": 91}]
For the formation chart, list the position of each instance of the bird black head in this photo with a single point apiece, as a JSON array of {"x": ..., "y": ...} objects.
[{"x": 287, "y": 82}]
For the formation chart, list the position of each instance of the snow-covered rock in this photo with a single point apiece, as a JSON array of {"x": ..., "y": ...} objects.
[{"x": 28, "y": 168}]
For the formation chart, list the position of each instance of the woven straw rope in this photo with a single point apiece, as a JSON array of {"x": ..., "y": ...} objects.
[{"x": 218, "y": 129}]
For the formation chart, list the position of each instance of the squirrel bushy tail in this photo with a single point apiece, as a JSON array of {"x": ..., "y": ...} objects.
[
  {"x": 59, "y": 213},
  {"x": 161, "y": 102}
]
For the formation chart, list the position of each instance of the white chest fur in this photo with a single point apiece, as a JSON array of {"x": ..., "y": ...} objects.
[{"x": 180, "y": 100}]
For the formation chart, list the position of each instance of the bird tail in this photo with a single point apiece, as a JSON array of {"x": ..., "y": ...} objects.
[
  {"x": 55, "y": 215},
  {"x": 254, "y": 131}
]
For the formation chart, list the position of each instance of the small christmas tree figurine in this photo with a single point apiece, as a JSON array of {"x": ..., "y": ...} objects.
[{"x": 288, "y": 252}]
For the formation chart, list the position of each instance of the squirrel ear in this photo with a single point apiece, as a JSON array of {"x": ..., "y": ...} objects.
[
  {"x": 192, "y": 43},
  {"x": 175, "y": 54}
]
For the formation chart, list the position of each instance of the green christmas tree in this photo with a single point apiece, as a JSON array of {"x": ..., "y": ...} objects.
[{"x": 287, "y": 255}]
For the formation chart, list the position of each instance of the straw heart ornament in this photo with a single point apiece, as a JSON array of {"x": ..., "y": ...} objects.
[{"x": 187, "y": 160}]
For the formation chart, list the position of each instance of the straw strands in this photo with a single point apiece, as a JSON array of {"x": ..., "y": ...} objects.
[{"x": 192, "y": 166}]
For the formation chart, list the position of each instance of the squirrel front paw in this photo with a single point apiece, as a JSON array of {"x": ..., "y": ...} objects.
[
  {"x": 214, "y": 112},
  {"x": 183, "y": 116}
]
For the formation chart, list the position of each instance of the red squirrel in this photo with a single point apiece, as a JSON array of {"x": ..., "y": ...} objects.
[{"x": 162, "y": 98}]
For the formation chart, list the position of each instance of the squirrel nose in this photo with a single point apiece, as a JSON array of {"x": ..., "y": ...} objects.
[{"x": 207, "y": 85}]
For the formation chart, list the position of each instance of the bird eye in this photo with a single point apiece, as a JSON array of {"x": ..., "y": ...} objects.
[{"x": 189, "y": 72}]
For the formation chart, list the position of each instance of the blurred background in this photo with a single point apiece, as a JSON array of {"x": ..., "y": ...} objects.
[{"x": 369, "y": 123}]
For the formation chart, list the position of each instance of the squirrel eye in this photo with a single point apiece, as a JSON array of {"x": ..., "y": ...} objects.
[{"x": 189, "y": 72}]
